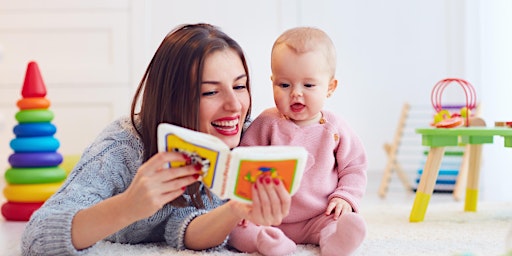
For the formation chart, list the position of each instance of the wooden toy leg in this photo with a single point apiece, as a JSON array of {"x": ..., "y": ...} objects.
[
  {"x": 386, "y": 177},
  {"x": 460, "y": 183},
  {"x": 392, "y": 165},
  {"x": 475, "y": 157},
  {"x": 403, "y": 177},
  {"x": 427, "y": 183}
]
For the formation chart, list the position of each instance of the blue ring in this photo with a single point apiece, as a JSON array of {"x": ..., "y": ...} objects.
[
  {"x": 34, "y": 129},
  {"x": 35, "y": 144},
  {"x": 35, "y": 159}
]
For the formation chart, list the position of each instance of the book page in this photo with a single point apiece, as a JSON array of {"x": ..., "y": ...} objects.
[
  {"x": 203, "y": 149},
  {"x": 248, "y": 164}
]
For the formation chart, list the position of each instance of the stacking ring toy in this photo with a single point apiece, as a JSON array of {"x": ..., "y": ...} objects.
[
  {"x": 34, "y": 129},
  {"x": 33, "y": 103},
  {"x": 437, "y": 93},
  {"x": 15, "y": 211},
  {"x": 35, "y": 159},
  {"x": 31, "y": 144},
  {"x": 34, "y": 115},
  {"x": 32, "y": 193},
  {"x": 35, "y": 175}
]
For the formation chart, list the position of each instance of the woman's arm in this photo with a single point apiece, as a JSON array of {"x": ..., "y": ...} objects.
[{"x": 151, "y": 188}]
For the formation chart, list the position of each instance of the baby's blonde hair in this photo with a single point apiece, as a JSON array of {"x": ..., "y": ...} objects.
[{"x": 305, "y": 39}]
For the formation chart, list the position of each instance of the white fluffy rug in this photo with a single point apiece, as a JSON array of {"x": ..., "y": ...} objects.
[{"x": 446, "y": 230}]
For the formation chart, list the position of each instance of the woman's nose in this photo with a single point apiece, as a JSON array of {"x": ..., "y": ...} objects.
[{"x": 232, "y": 102}]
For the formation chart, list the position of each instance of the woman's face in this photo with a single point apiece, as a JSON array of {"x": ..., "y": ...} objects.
[{"x": 224, "y": 97}]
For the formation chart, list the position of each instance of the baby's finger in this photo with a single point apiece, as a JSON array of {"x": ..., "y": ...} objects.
[{"x": 330, "y": 208}]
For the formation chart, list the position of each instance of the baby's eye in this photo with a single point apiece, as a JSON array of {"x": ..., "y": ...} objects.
[
  {"x": 283, "y": 85},
  {"x": 309, "y": 85}
]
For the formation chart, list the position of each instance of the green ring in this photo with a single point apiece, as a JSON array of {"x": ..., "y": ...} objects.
[
  {"x": 37, "y": 175},
  {"x": 34, "y": 115}
]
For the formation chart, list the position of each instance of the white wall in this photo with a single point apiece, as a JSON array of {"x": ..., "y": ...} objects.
[
  {"x": 389, "y": 52},
  {"x": 387, "y": 55},
  {"x": 493, "y": 35}
]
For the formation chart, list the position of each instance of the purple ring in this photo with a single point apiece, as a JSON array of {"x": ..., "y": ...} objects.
[{"x": 35, "y": 159}]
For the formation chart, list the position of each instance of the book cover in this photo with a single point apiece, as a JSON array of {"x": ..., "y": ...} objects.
[{"x": 231, "y": 173}]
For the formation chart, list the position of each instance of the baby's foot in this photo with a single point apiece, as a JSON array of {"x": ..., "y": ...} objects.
[{"x": 271, "y": 241}]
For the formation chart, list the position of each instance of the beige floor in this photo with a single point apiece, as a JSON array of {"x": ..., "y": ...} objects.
[{"x": 10, "y": 232}]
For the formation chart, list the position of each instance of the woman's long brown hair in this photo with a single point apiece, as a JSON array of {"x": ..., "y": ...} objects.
[{"x": 170, "y": 89}]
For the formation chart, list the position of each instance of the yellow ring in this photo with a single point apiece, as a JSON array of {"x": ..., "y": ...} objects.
[{"x": 30, "y": 193}]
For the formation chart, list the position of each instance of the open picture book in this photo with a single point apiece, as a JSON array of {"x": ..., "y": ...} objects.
[{"x": 231, "y": 173}]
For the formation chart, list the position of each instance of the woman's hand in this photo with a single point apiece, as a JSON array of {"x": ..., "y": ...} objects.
[
  {"x": 270, "y": 203},
  {"x": 153, "y": 186}
]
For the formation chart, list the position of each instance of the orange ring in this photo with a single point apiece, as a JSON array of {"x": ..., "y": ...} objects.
[{"x": 33, "y": 103}]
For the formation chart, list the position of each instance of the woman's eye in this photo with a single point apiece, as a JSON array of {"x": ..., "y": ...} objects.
[
  {"x": 209, "y": 93},
  {"x": 240, "y": 87}
]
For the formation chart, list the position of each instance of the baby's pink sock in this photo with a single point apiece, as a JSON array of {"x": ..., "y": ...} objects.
[
  {"x": 272, "y": 241},
  {"x": 344, "y": 236},
  {"x": 244, "y": 238}
]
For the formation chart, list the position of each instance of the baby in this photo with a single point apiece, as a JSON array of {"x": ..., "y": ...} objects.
[{"x": 324, "y": 211}]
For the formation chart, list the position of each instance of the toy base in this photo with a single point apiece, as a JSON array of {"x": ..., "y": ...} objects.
[{"x": 14, "y": 211}]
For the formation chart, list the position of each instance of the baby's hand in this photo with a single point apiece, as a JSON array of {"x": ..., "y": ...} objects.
[{"x": 338, "y": 206}]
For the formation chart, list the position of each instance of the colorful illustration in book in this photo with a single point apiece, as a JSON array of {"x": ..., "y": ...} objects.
[
  {"x": 250, "y": 171},
  {"x": 203, "y": 157}
]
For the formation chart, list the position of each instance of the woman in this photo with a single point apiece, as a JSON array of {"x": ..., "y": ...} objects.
[{"x": 119, "y": 190}]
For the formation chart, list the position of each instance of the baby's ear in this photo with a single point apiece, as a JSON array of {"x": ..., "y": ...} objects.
[{"x": 333, "y": 84}]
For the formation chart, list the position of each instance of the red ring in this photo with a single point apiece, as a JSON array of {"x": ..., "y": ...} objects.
[{"x": 16, "y": 211}]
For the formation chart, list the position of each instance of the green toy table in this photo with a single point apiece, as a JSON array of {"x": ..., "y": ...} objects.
[{"x": 439, "y": 138}]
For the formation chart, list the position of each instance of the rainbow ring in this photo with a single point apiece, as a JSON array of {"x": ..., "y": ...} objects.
[
  {"x": 34, "y": 129},
  {"x": 35, "y": 144},
  {"x": 33, "y": 103},
  {"x": 34, "y": 115},
  {"x": 15, "y": 211},
  {"x": 30, "y": 193},
  {"x": 35, "y": 159},
  {"x": 35, "y": 175}
]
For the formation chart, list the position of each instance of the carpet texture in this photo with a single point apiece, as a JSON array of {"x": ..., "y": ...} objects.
[{"x": 446, "y": 230}]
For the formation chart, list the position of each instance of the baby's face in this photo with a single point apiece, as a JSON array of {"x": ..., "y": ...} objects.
[{"x": 301, "y": 83}]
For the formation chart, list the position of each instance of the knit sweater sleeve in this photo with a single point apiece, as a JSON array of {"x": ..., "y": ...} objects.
[
  {"x": 103, "y": 171},
  {"x": 351, "y": 165},
  {"x": 178, "y": 222}
]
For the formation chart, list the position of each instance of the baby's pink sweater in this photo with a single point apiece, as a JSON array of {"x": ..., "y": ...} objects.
[{"x": 336, "y": 165}]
